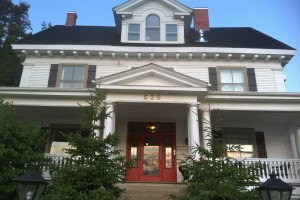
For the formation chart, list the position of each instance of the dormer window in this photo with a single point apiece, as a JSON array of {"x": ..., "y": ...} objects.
[
  {"x": 153, "y": 28},
  {"x": 134, "y": 32},
  {"x": 171, "y": 32}
]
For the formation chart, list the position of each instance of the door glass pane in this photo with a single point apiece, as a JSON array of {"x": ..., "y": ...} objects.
[
  {"x": 168, "y": 152},
  {"x": 151, "y": 157},
  {"x": 133, "y": 149}
]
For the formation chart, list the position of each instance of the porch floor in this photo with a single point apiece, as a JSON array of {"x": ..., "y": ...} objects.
[{"x": 151, "y": 191}]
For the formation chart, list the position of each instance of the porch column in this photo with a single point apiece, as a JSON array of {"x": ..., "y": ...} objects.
[
  {"x": 97, "y": 131},
  {"x": 193, "y": 128},
  {"x": 293, "y": 144},
  {"x": 109, "y": 123},
  {"x": 297, "y": 139},
  {"x": 206, "y": 127}
]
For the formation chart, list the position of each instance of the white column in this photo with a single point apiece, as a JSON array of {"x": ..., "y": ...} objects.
[
  {"x": 96, "y": 130},
  {"x": 109, "y": 123},
  {"x": 293, "y": 145},
  {"x": 193, "y": 128},
  {"x": 206, "y": 127},
  {"x": 297, "y": 139}
]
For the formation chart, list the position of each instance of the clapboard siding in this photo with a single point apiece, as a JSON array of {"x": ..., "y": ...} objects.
[
  {"x": 109, "y": 70},
  {"x": 182, "y": 148},
  {"x": 200, "y": 73},
  {"x": 39, "y": 76},
  {"x": 265, "y": 80},
  {"x": 152, "y": 5},
  {"x": 277, "y": 144}
]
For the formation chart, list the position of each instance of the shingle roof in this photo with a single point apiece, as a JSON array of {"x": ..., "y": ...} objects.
[{"x": 103, "y": 35}]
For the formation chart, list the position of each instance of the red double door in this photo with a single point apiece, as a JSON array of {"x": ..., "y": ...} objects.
[{"x": 152, "y": 145}]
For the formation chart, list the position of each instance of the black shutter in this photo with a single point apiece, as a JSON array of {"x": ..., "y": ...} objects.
[
  {"x": 251, "y": 79},
  {"x": 53, "y": 75},
  {"x": 213, "y": 80},
  {"x": 91, "y": 76},
  {"x": 261, "y": 146}
]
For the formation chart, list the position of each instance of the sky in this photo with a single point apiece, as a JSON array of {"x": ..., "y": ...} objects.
[{"x": 279, "y": 19}]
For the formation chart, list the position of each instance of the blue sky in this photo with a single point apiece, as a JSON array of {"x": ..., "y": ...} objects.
[{"x": 279, "y": 19}]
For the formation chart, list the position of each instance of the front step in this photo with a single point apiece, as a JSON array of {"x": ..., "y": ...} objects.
[{"x": 151, "y": 191}]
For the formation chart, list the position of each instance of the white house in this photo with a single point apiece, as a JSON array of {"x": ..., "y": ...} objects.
[{"x": 163, "y": 81}]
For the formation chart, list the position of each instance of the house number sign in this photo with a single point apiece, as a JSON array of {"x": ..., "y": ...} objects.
[{"x": 152, "y": 97}]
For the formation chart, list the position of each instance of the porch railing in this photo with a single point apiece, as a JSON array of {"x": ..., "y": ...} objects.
[{"x": 287, "y": 169}]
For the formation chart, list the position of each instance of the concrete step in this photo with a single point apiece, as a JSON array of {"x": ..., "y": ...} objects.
[{"x": 151, "y": 191}]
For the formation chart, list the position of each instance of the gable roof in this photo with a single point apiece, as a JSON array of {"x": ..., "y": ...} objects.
[{"x": 103, "y": 35}]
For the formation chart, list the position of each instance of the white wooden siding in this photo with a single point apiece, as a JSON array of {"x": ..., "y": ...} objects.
[
  {"x": 200, "y": 73},
  {"x": 265, "y": 80},
  {"x": 105, "y": 70},
  {"x": 153, "y": 5},
  {"x": 39, "y": 76}
]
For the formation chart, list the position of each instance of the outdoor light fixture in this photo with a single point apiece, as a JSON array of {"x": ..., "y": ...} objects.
[
  {"x": 275, "y": 189},
  {"x": 151, "y": 128},
  {"x": 30, "y": 186}
]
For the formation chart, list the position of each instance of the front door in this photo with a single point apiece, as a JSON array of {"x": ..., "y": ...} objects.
[{"x": 153, "y": 147}]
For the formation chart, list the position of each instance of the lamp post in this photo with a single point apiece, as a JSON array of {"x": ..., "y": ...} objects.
[
  {"x": 30, "y": 185},
  {"x": 275, "y": 189}
]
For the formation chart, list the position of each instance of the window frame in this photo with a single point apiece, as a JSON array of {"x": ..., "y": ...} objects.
[
  {"x": 172, "y": 33},
  {"x": 251, "y": 131},
  {"x": 56, "y": 129},
  {"x": 60, "y": 70},
  {"x": 135, "y": 33},
  {"x": 244, "y": 71},
  {"x": 153, "y": 27}
]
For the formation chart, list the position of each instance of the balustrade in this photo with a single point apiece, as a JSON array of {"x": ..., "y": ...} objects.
[{"x": 287, "y": 169}]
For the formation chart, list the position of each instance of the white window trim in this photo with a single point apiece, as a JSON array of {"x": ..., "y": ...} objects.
[
  {"x": 244, "y": 70},
  {"x": 133, "y": 23},
  {"x": 163, "y": 23},
  {"x": 60, "y": 67}
]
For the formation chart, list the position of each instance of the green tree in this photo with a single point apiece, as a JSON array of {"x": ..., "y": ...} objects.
[
  {"x": 45, "y": 26},
  {"x": 95, "y": 166},
  {"x": 10, "y": 64},
  {"x": 21, "y": 147},
  {"x": 14, "y": 20},
  {"x": 14, "y": 25},
  {"x": 215, "y": 176}
]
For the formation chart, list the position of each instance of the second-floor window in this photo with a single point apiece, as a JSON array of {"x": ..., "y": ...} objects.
[
  {"x": 134, "y": 32},
  {"x": 72, "y": 76},
  {"x": 153, "y": 28},
  {"x": 232, "y": 80}
]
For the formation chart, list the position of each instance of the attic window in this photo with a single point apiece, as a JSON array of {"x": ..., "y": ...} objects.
[
  {"x": 153, "y": 28},
  {"x": 134, "y": 32},
  {"x": 171, "y": 32}
]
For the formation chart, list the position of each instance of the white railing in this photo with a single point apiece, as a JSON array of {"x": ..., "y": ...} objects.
[{"x": 287, "y": 169}]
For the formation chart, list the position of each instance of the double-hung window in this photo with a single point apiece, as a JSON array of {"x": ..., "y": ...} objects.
[
  {"x": 171, "y": 32},
  {"x": 239, "y": 142},
  {"x": 232, "y": 80},
  {"x": 72, "y": 76},
  {"x": 134, "y": 32},
  {"x": 153, "y": 28}
]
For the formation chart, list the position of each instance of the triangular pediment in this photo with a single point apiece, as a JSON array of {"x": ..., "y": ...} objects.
[
  {"x": 132, "y": 5},
  {"x": 152, "y": 75}
]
